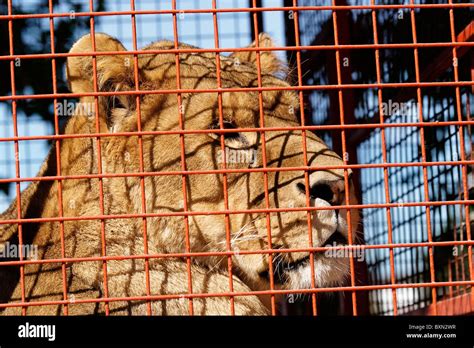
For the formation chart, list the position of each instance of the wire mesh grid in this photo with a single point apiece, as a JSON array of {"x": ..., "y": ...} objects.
[{"x": 392, "y": 100}]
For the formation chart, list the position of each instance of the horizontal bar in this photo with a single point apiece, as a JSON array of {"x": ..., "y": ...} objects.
[
  {"x": 459, "y": 305},
  {"x": 236, "y": 211},
  {"x": 235, "y": 10},
  {"x": 236, "y": 293},
  {"x": 248, "y": 89},
  {"x": 239, "y": 49},
  {"x": 236, "y": 171},
  {"x": 240, "y": 130},
  {"x": 234, "y": 253}
]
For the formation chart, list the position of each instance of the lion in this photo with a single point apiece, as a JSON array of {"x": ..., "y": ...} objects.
[{"x": 148, "y": 162}]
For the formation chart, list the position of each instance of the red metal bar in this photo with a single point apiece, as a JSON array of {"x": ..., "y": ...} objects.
[
  {"x": 258, "y": 129},
  {"x": 99, "y": 159},
  {"x": 463, "y": 152},
  {"x": 140, "y": 151},
  {"x": 243, "y": 170},
  {"x": 305, "y": 155},
  {"x": 183, "y": 159},
  {"x": 246, "y": 49},
  {"x": 224, "y": 164},
  {"x": 58, "y": 159},
  {"x": 249, "y": 89},
  {"x": 459, "y": 305},
  {"x": 235, "y": 294},
  {"x": 254, "y": 9},
  {"x": 243, "y": 252},
  {"x": 423, "y": 156},
  {"x": 385, "y": 160},
  {"x": 344, "y": 149},
  {"x": 235, "y": 211},
  {"x": 460, "y": 280},
  {"x": 17, "y": 158},
  {"x": 264, "y": 158}
]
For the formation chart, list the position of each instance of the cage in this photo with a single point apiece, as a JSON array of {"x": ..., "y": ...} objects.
[{"x": 388, "y": 86}]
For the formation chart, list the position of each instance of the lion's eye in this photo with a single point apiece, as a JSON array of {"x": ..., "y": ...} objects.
[{"x": 233, "y": 139}]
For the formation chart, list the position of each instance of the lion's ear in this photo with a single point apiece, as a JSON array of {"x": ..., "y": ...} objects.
[
  {"x": 111, "y": 69},
  {"x": 270, "y": 64},
  {"x": 114, "y": 72}
]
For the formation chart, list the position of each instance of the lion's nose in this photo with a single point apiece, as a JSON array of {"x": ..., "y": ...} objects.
[{"x": 332, "y": 191}]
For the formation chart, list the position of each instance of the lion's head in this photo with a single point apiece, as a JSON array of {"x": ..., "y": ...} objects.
[{"x": 203, "y": 152}]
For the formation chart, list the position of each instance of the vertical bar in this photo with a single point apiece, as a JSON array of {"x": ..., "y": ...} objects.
[
  {"x": 384, "y": 159},
  {"x": 450, "y": 277},
  {"x": 462, "y": 149},
  {"x": 255, "y": 30},
  {"x": 140, "y": 151},
  {"x": 290, "y": 37},
  {"x": 58, "y": 158},
  {"x": 264, "y": 160},
  {"x": 17, "y": 158},
  {"x": 455, "y": 260},
  {"x": 344, "y": 25},
  {"x": 183, "y": 157},
  {"x": 469, "y": 119},
  {"x": 224, "y": 164},
  {"x": 423, "y": 156},
  {"x": 305, "y": 157},
  {"x": 99, "y": 158},
  {"x": 344, "y": 150}
]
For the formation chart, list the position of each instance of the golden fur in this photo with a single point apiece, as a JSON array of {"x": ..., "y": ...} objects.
[{"x": 122, "y": 195}]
